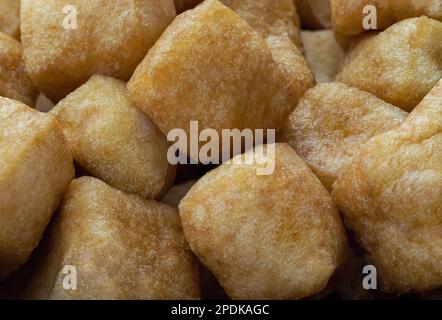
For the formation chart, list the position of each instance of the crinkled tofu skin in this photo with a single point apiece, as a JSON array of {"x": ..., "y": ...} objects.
[
  {"x": 391, "y": 196},
  {"x": 36, "y": 168},
  {"x": 315, "y": 14},
  {"x": 332, "y": 123},
  {"x": 275, "y": 236},
  {"x": 113, "y": 140},
  {"x": 122, "y": 247},
  {"x": 400, "y": 65},
  {"x": 348, "y": 15},
  {"x": 14, "y": 79},
  {"x": 323, "y": 54},
  {"x": 210, "y": 66},
  {"x": 111, "y": 38},
  {"x": 269, "y": 17},
  {"x": 10, "y": 17}
]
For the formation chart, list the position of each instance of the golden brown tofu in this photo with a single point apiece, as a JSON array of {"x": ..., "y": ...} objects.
[
  {"x": 10, "y": 18},
  {"x": 36, "y": 168},
  {"x": 275, "y": 236},
  {"x": 315, "y": 14},
  {"x": 269, "y": 17},
  {"x": 67, "y": 41},
  {"x": 113, "y": 140},
  {"x": 323, "y": 54},
  {"x": 14, "y": 80},
  {"x": 391, "y": 196},
  {"x": 349, "y": 15},
  {"x": 117, "y": 246},
  {"x": 210, "y": 66},
  {"x": 332, "y": 123},
  {"x": 399, "y": 65}
]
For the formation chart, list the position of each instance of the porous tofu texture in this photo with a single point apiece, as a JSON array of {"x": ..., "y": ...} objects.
[
  {"x": 36, "y": 168},
  {"x": 399, "y": 65},
  {"x": 111, "y": 38},
  {"x": 276, "y": 236},
  {"x": 333, "y": 122},
  {"x": 122, "y": 246},
  {"x": 113, "y": 140},
  {"x": 10, "y": 17},
  {"x": 391, "y": 196}
]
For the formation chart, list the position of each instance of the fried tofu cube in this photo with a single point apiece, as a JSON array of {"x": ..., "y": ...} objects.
[
  {"x": 210, "y": 66},
  {"x": 332, "y": 123},
  {"x": 36, "y": 168},
  {"x": 391, "y": 196},
  {"x": 14, "y": 79},
  {"x": 113, "y": 140},
  {"x": 399, "y": 65},
  {"x": 67, "y": 41},
  {"x": 276, "y": 236},
  {"x": 121, "y": 246}
]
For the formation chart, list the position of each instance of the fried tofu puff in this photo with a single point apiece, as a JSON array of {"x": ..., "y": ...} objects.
[
  {"x": 210, "y": 66},
  {"x": 269, "y": 17},
  {"x": 391, "y": 196},
  {"x": 10, "y": 18},
  {"x": 121, "y": 246},
  {"x": 183, "y": 5},
  {"x": 276, "y": 236},
  {"x": 67, "y": 41},
  {"x": 399, "y": 65},
  {"x": 332, "y": 123},
  {"x": 113, "y": 140},
  {"x": 323, "y": 54},
  {"x": 14, "y": 80},
  {"x": 36, "y": 168},
  {"x": 348, "y": 15},
  {"x": 315, "y": 14}
]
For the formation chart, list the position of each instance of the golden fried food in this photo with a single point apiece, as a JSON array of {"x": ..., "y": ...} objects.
[
  {"x": 400, "y": 65},
  {"x": 177, "y": 192},
  {"x": 348, "y": 15},
  {"x": 63, "y": 48},
  {"x": 14, "y": 80},
  {"x": 113, "y": 140},
  {"x": 10, "y": 17},
  {"x": 391, "y": 196},
  {"x": 36, "y": 167},
  {"x": 183, "y": 5},
  {"x": 210, "y": 66},
  {"x": 332, "y": 123},
  {"x": 121, "y": 246},
  {"x": 323, "y": 54},
  {"x": 315, "y": 14},
  {"x": 265, "y": 237},
  {"x": 269, "y": 17}
]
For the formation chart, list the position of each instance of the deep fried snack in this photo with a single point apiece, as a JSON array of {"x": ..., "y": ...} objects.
[
  {"x": 348, "y": 15},
  {"x": 391, "y": 196},
  {"x": 177, "y": 192},
  {"x": 399, "y": 65},
  {"x": 112, "y": 38},
  {"x": 122, "y": 247},
  {"x": 14, "y": 80},
  {"x": 323, "y": 54},
  {"x": 210, "y": 66},
  {"x": 10, "y": 17},
  {"x": 36, "y": 167},
  {"x": 269, "y": 17},
  {"x": 183, "y": 5},
  {"x": 113, "y": 140},
  {"x": 265, "y": 237},
  {"x": 315, "y": 14},
  {"x": 332, "y": 123}
]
